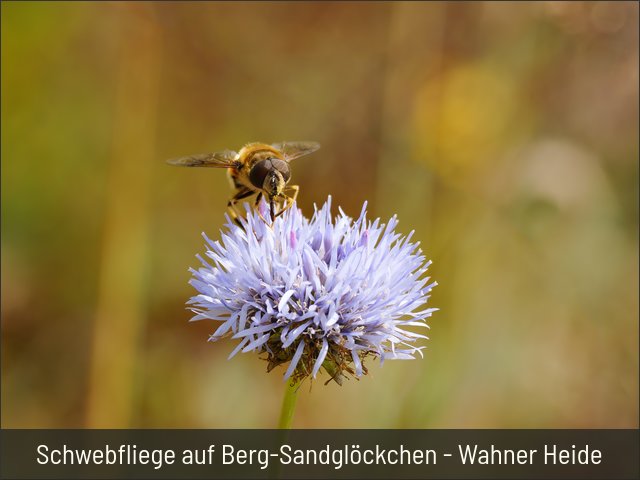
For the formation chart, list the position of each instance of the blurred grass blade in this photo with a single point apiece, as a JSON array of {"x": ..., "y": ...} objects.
[{"x": 120, "y": 313}]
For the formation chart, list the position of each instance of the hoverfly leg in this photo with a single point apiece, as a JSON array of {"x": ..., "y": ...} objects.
[
  {"x": 269, "y": 224},
  {"x": 286, "y": 207},
  {"x": 231, "y": 210},
  {"x": 289, "y": 201},
  {"x": 257, "y": 207},
  {"x": 231, "y": 204},
  {"x": 296, "y": 189}
]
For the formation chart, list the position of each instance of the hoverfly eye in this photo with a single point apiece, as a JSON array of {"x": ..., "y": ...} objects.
[
  {"x": 259, "y": 172},
  {"x": 283, "y": 168}
]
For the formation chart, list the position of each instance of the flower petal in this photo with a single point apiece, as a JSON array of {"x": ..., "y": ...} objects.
[
  {"x": 321, "y": 355},
  {"x": 295, "y": 360}
]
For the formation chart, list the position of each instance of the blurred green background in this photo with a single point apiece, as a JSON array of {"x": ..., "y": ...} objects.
[{"x": 505, "y": 134}]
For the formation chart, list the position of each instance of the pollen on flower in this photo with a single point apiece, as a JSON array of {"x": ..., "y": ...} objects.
[{"x": 319, "y": 293}]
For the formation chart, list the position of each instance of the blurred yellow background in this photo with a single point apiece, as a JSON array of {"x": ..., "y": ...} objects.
[{"x": 505, "y": 134}]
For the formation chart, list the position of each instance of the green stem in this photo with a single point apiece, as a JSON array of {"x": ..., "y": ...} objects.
[{"x": 288, "y": 405}]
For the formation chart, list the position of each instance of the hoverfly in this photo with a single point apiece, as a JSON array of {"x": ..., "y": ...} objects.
[{"x": 258, "y": 168}]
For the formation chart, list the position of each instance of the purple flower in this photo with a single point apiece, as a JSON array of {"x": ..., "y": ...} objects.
[{"x": 319, "y": 293}]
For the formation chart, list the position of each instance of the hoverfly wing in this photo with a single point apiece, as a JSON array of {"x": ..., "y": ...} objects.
[
  {"x": 293, "y": 150},
  {"x": 224, "y": 159}
]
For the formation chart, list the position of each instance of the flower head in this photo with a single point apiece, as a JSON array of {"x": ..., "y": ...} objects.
[{"x": 319, "y": 293}]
